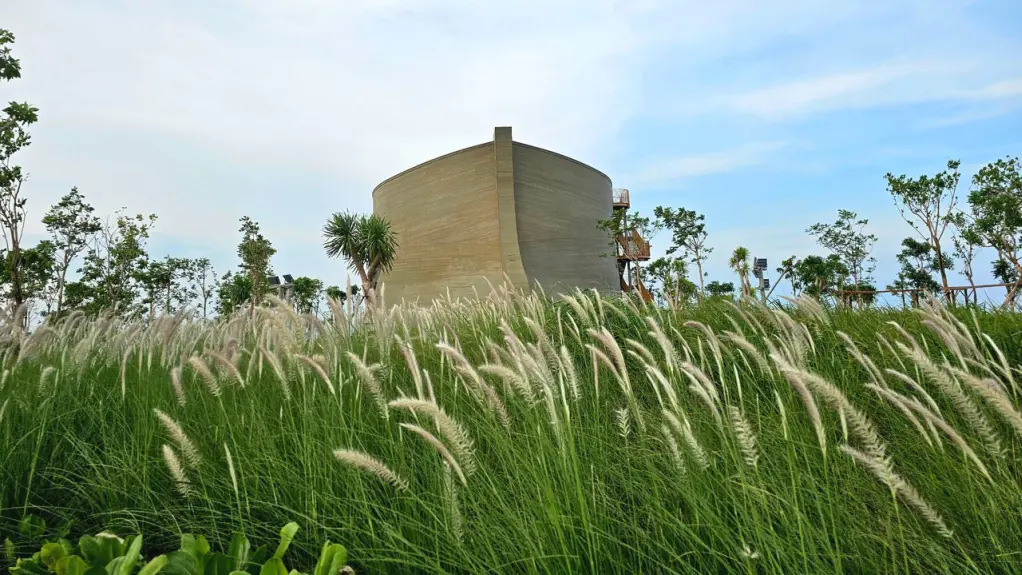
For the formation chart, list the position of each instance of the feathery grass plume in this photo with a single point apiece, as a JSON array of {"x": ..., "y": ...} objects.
[
  {"x": 368, "y": 463},
  {"x": 200, "y": 367},
  {"x": 951, "y": 388},
  {"x": 666, "y": 347},
  {"x": 672, "y": 446},
  {"x": 794, "y": 378},
  {"x": 124, "y": 371},
  {"x": 994, "y": 394},
  {"x": 864, "y": 360},
  {"x": 883, "y": 471},
  {"x": 512, "y": 379},
  {"x": 44, "y": 376},
  {"x": 453, "y": 506},
  {"x": 439, "y": 447},
  {"x": 861, "y": 425},
  {"x": 617, "y": 368},
  {"x": 894, "y": 398},
  {"x": 450, "y": 429},
  {"x": 684, "y": 430},
  {"x": 174, "y": 430},
  {"x": 939, "y": 422},
  {"x": 747, "y": 346},
  {"x": 1006, "y": 371},
  {"x": 914, "y": 385},
  {"x": 657, "y": 377},
  {"x": 230, "y": 470},
  {"x": 175, "y": 382},
  {"x": 176, "y": 471},
  {"x": 784, "y": 414},
  {"x": 624, "y": 424},
  {"x": 711, "y": 339},
  {"x": 315, "y": 365},
  {"x": 568, "y": 368},
  {"x": 368, "y": 379},
  {"x": 408, "y": 352},
  {"x": 746, "y": 436},
  {"x": 490, "y": 395},
  {"x": 227, "y": 364},
  {"x": 3, "y": 409}
]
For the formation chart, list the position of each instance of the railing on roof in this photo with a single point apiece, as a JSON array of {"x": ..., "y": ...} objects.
[{"x": 620, "y": 197}]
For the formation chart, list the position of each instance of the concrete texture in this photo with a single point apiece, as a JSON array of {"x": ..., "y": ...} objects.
[{"x": 494, "y": 212}]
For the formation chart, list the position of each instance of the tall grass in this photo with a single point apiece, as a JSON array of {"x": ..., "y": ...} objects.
[{"x": 593, "y": 435}]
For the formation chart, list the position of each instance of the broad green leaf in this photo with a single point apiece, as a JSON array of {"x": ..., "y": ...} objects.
[
  {"x": 180, "y": 563},
  {"x": 9, "y": 550},
  {"x": 273, "y": 567},
  {"x": 153, "y": 567},
  {"x": 287, "y": 534},
  {"x": 131, "y": 556},
  {"x": 331, "y": 559},
  {"x": 218, "y": 564},
  {"x": 239, "y": 549},
  {"x": 99, "y": 551},
  {"x": 29, "y": 567},
  {"x": 197, "y": 547},
  {"x": 72, "y": 565},
  {"x": 52, "y": 553}
]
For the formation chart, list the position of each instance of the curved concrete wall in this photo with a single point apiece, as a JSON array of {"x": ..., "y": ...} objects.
[
  {"x": 467, "y": 219},
  {"x": 559, "y": 202}
]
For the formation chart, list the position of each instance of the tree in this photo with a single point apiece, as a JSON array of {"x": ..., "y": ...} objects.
[
  {"x": 336, "y": 293},
  {"x": 166, "y": 284},
  {"x": 995, "y": 218},
  {"x": 36, "y": 270},
  {"x": 14, "y": 122},
  {"x": 233, "y": 291},
  {"x": 113, "y": 268},
  {"x": 965, "y": 250},
  {"x": 918, "y": 262},
  {"x": 853, "y": 247},
  {"x": 255, "y": 252},
  {"x": 688, "y": 233},
  {"x": 719, "y": 289},
  {"x": 739, "y": 262},
  {"x": 201, "y": 281},
  {"x": 1006, "y": 274},
  {"x": 366, "y": 242},
  {"x": 670, "y": 283},
  {"x": 931, "y": 201},
  {"x": 817, "y": 276},
  {"x": 71, "y": 225},
  {"x": 306, "y": 293}
]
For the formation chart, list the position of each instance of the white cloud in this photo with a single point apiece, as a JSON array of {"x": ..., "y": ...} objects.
[{"x": 674, "y": 169}]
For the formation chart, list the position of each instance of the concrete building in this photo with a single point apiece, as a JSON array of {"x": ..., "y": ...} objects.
[{"x": 494, "y": 209}]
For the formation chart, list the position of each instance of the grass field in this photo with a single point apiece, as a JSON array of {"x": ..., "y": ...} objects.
[{"x": 518, "y": 436}]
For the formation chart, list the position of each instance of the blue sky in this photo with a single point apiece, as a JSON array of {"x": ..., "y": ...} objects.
[{"x": 767, "y": 117}]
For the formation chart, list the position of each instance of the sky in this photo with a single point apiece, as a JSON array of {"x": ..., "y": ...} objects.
[{"x": 767, "y": 117}]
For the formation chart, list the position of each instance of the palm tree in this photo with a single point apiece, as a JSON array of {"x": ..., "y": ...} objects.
[
  {"x": 366, "y": 242},
  {"x": 740, "y": 263}
]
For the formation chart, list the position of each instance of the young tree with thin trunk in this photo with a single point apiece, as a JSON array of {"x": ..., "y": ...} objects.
[
  {"x": 931, "y": 201},
  {"x": 71, "y": 224},
  {"x": 366, "y": 242},
  {"x": 14, "y": 122},
  {"x": 852, "y": 246},
  {"x": 739, "y": 262},
  {"x": 688, "y": 234},
  {"x": 995, "y": 218},
  {"x": 255, "y": 252}
]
